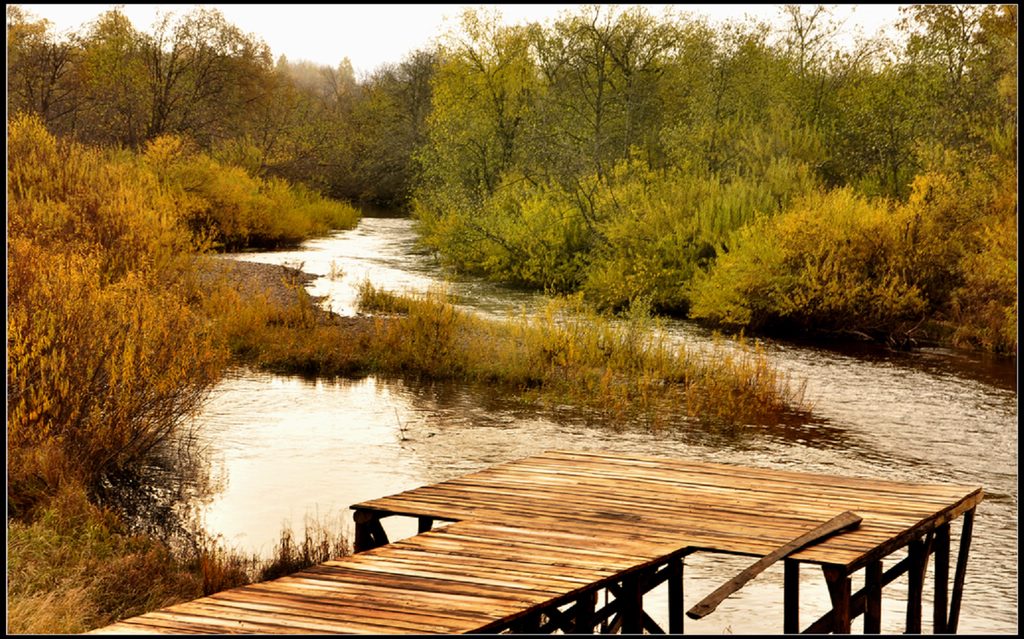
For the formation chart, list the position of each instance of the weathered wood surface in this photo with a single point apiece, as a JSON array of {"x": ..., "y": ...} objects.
[
  {"x": 553, "y": 528},
  {"x": 713, "y": 507}
]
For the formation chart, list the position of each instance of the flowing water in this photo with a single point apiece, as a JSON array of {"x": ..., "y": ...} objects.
[{"x": 285, "y": 449}]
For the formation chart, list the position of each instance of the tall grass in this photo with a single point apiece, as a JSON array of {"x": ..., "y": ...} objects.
[{"x": 570, "y": 353}]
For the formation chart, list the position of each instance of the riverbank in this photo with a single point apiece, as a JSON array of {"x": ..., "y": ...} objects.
[{"x": 279, "y": 288}]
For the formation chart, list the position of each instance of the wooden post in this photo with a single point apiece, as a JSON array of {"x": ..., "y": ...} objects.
[
  {"x": 915, "y": 587},
  {"x": 961, "y": 571},
  {"x": 791, "y": 597},
  {"x": 873, "y": 598},
  {"x": 585, "y": 607},
  {"x": 941, "y": 579},
  {"x": 676, "y": 613},
  {"x": 839, "y": 585},
  {"x": 363, "y": 540},
  {"x": 369, "y": 531},
  {"x": 632, "y": 605}
]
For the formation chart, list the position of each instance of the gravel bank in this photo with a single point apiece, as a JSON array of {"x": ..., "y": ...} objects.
[{"x": 279, "y": 283}]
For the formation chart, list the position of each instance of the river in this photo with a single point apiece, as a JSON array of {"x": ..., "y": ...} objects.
[{"x": 284, "y": 449}]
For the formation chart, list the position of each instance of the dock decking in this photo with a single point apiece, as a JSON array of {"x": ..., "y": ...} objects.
[{"x": 536, "y": 540}]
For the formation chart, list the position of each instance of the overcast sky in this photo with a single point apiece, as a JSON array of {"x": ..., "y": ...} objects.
[{"x": 370, "y": 35}]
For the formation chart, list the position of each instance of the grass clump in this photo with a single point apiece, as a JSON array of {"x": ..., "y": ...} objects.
[
  {"x": 569, "y": 353},
  {"x": 566, "y": 354}
]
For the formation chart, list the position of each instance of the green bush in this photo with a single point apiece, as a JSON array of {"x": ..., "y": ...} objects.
[{"x": 833, "y": 262}]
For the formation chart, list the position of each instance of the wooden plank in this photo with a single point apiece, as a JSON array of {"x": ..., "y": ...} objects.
[
  {"x": 712, "y": 495},
  {"x": 835, "y": 525},
  {"x": 806, "y": 506},
  {"x": 634, "y": 502},
  {"x": 672, "y": 528},
  {"x": 826, "y": 553},
  {"x": 449, "y": 496},
  {"x": 325, "y": 616},
  {"x": 364, "y": 603},
  {"x": 521, "y": 564},
  {"x": 677, "y": 465}
]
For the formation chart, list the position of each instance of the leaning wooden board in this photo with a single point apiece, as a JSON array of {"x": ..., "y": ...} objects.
[{"x": 547, "y": 527}]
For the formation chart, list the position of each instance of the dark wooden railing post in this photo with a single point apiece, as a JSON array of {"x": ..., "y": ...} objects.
[
  {"x": 369, "y": 531},
  {"x": 676, "y": 612},
  {"x": 585, "y": 608},
  {"x": 632, "y": 599},
  {"x": 791, "y": 597},
  {"x": 839, "y": 586},
  {"x": 873, "y": 598},
  {"x": 940, "y": 611},
  {"x": 961, "y": 571}
]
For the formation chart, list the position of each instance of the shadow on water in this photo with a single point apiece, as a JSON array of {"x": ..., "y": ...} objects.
[{"x": 163, "y": 496}]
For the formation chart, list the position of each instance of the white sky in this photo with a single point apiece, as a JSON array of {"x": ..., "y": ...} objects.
[{"x": 370, "y": 35}]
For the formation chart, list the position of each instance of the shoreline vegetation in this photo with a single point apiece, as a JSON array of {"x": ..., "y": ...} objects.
[
  {"x": 622, "y": 162},
  {"x": 111, "y": 349},
  {"x": 567, "y": 354}
]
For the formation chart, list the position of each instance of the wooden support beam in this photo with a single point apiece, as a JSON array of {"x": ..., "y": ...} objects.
[
  {"x": 941, "y": 554},
  {"x": 919, "y": 549},
  {"x": 839, "y": 586},
  {"x": 632, "y": 604},
  {"x": 614, "y": 625},
  {"x": 626, "y": 598},
  {"x": 858, "y": 601},
  {"x": 961, "y": 571},
  {"x": 567, "y": 620},
  {"x": 873, "y": 598},
  {"x": 653, "y": 578},
  {"x": 364, "y": 534},
  {"x": 583, "y": 621},
  {"x": 676, "y": 612},
  {"x": 791, "y": 597},
  {"x": 607, "y": 611}
]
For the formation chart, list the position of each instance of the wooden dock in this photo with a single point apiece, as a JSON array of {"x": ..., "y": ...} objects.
[{"x": 536, "y": 541}]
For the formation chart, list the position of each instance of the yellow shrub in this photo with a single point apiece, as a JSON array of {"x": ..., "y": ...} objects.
[{"x": 105, "y": 355}]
